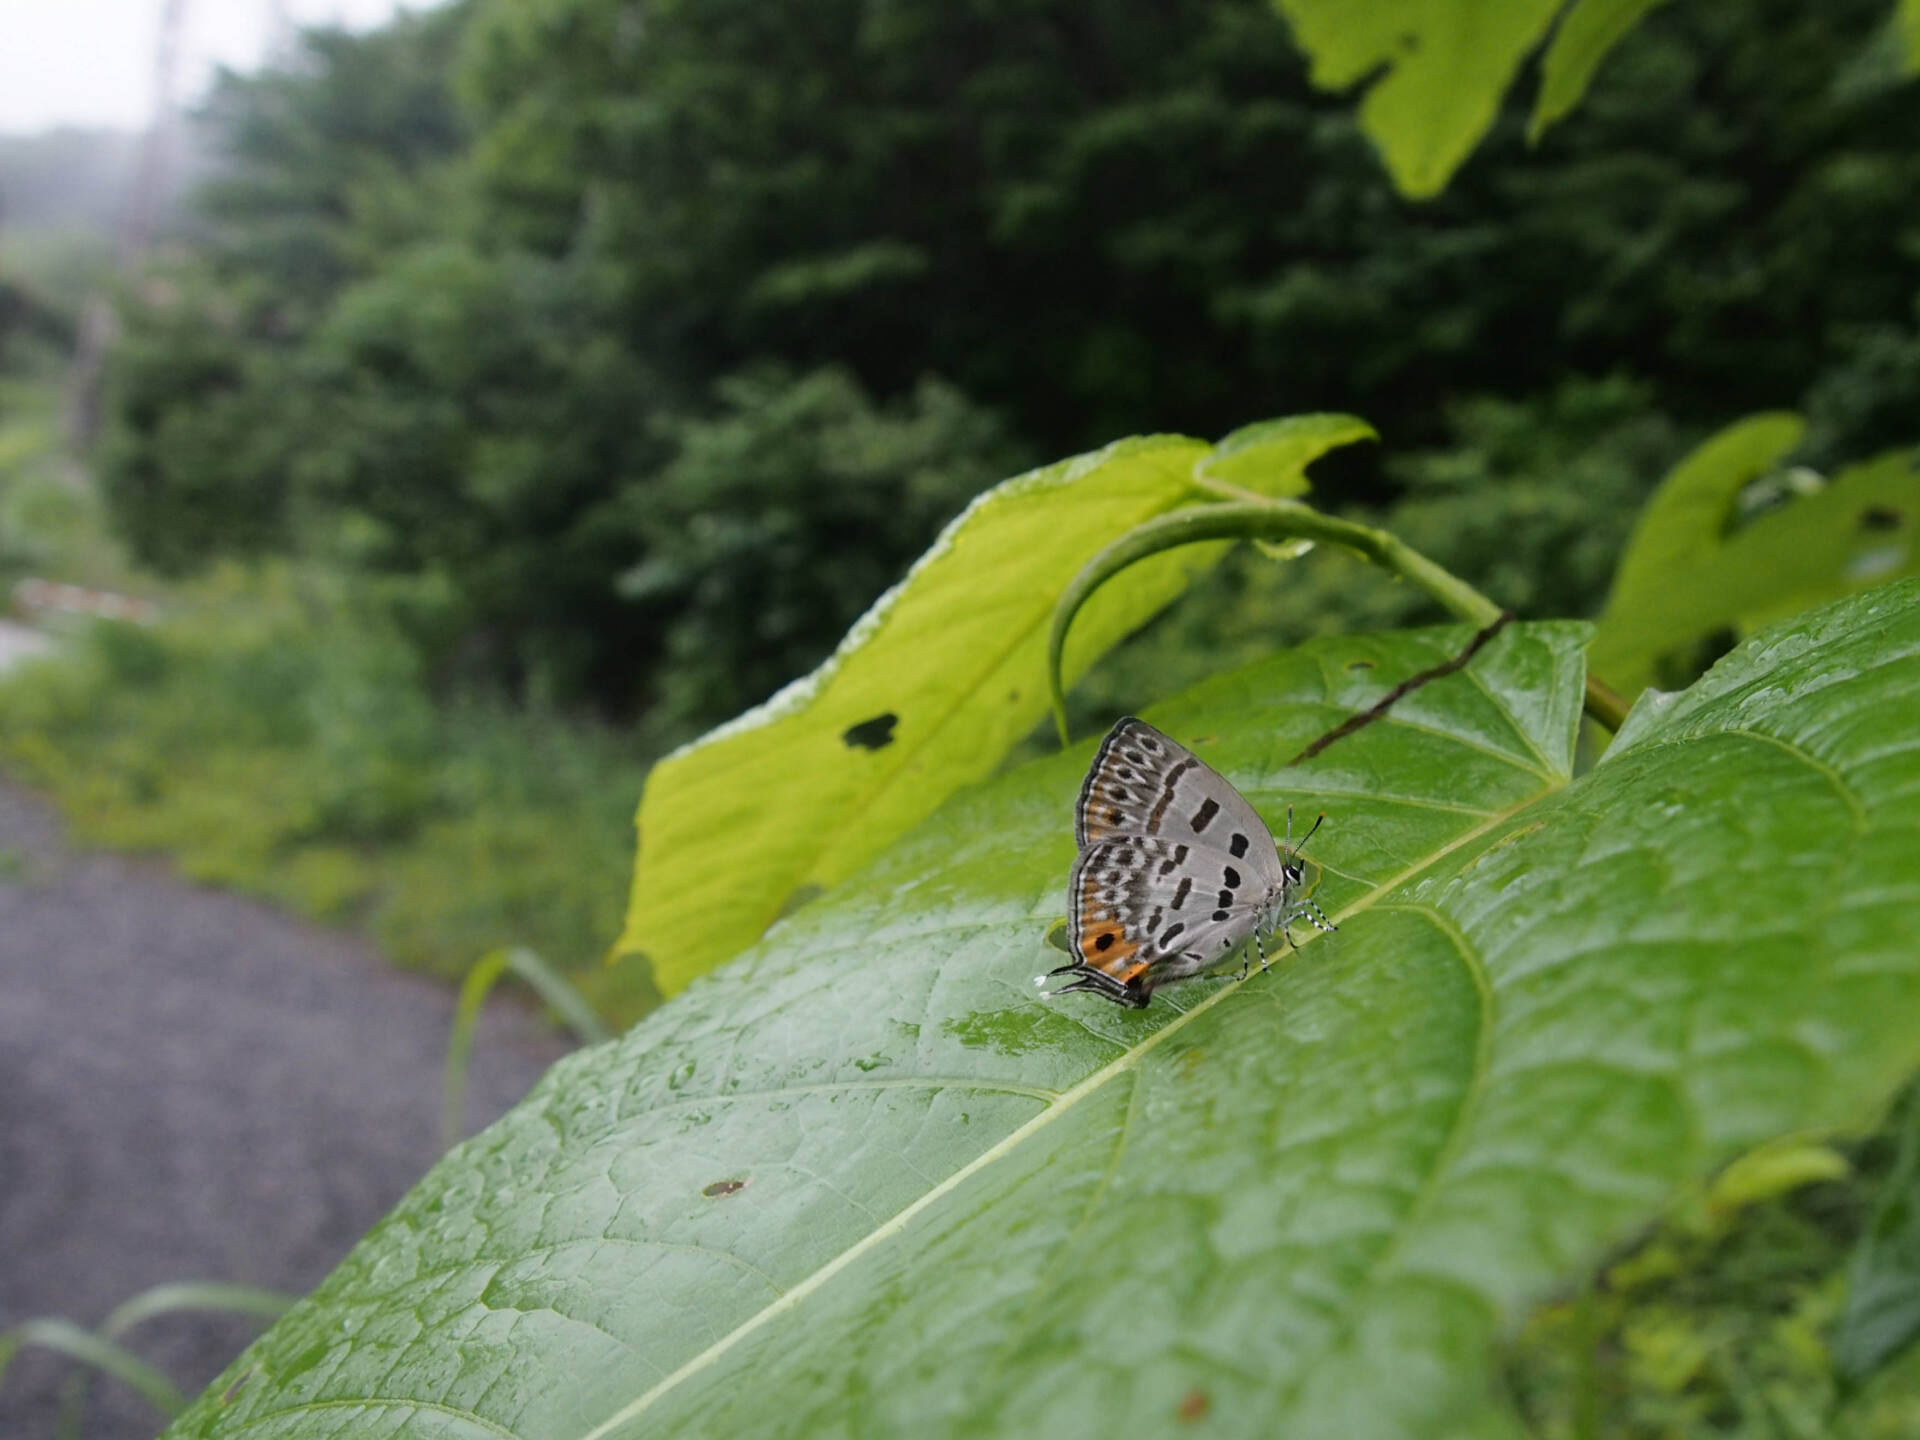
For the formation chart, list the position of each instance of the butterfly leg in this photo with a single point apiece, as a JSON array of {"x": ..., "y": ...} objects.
[{"x": 1318, "y": 916}]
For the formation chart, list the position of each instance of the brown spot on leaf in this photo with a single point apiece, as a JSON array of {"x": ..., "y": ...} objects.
[
  {"x": 721, "y": 1188},
  {"x": 1194, "y": 1405}
]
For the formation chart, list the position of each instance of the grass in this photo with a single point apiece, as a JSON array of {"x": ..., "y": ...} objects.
[
  {"x": 1721, "y": 1321},
  {"x": 275, "y": 736},
  {"x": 102, "y": 1350}
]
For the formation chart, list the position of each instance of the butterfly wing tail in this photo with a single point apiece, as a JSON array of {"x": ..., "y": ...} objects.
[{"x": 1096, "y": 982}]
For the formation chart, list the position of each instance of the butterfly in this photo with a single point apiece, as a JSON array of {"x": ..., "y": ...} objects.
[{"x": 1176, "y": 871}]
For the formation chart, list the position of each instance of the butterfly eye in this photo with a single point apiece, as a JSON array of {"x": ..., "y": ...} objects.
[{"x": 1294, "y": 873}]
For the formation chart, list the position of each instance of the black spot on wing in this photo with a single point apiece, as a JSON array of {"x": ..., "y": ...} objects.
[
  {"x": 1238, "y": 845},
  {"x": 1232, "y": 877},
  {"x": 1180, "y": 895},
  {"x": 1203, "y": 817},
  {"x": 874, "y": 734}
]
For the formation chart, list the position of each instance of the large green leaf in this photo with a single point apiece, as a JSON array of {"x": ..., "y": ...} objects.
[
  {"x": 1689, "y": 571},
  {"x": 865, "y": 1182},
  {"x": 927, "y": 693},
  {"x": 1442, "y": 66}
]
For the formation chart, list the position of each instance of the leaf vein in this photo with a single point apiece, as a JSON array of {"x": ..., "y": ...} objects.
[
  {"x": 1013, "y": 1139},
  {"x": 379, "y": 1402},
  {"x": 1449, "y": 1144}
]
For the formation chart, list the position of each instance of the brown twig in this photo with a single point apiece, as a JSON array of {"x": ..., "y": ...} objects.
[{"x": 1412, "y": 683}]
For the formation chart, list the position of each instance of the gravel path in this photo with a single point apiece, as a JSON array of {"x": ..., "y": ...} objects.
[
  {"x": 20, "y": 642},
  {"x": 194, "y": 1086}
]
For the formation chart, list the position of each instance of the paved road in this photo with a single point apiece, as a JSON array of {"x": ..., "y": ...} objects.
[
  {"x": 20, "y": 642},
  {"x": 196, "y": 1087}
]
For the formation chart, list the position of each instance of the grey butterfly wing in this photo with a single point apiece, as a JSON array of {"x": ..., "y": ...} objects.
[
  {"x": 1142, "y": 782},
  {"x": 1146, "y": 911}
]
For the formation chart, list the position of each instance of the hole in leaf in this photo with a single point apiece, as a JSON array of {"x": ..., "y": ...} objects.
[
  {"x": 1881, "y": 518},
  {"x": 721, "y": 1188},
  {"x": 873, "y": 734}
]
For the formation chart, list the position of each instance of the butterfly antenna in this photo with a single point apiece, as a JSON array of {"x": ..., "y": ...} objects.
[{"x": 1306, "y": 837}]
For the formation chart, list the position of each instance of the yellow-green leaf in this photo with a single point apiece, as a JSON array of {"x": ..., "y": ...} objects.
[
  {"x": 1439, "y": 68},
  {"x": 927, "y": 693},
  {"x": 1688, "y": 572},
  {"x": 1442, "y": 64},
  {"x": 1584, "y": 37},
  {"x": 1271, "y": 457}
]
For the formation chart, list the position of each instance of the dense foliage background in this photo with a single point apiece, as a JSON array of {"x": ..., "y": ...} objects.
[{"x": 603, "y": 325}]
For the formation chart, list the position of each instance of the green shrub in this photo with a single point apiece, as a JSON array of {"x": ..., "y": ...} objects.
[{"x": 278, "y": 736}]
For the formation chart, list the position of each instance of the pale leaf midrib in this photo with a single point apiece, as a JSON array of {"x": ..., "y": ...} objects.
[{"x": 1013, "y": 1139}]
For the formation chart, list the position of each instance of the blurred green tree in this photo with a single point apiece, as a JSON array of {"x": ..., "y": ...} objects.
[{"x": 489, "y": 280}]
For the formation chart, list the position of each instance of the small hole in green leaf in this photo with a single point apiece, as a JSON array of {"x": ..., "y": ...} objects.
[
  {"x": 1881, "y": 518},
  {"x": 872, "y": 734}
]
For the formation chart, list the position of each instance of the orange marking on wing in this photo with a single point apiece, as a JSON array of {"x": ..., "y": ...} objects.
[
  {"x": 1105, "y": 946},
  {"x": 1101, "y": 822}
]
